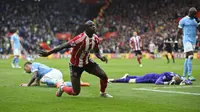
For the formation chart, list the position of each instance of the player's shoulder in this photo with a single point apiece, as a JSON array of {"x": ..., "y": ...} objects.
[
  {"x": 96, "y": 38},
  {"x": 80, "y": 35},
  {"x": 13, "y": 35},
  {"x": 132, "y": 38},
  {"x": 185, "y": 18}
]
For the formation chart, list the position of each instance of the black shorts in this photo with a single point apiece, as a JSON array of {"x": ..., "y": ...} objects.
[
  {"x": 168, "y": 49},
  {"x": 138, "y": 52},
  {"x": 152, "y": 53},
  {"x": 77, "y": 71}
]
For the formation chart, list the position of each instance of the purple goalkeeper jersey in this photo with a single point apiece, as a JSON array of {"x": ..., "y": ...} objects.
[{"x": 162, "y": 78}]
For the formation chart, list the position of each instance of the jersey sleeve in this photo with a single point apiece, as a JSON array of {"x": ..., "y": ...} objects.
[
  {"x": 34, "y": 67},
  {"x": 97, "y": 41},
  {"x": 12, "y": 38},
  {"x": 76, "y": 40},
  {"x": 160, "y": 80},
  {"x": 131, "y": 42},
  {"x": 181, "y": 23}
]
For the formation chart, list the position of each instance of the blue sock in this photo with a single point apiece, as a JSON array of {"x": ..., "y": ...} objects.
[
  {"x": 189, "y": 65},
  {"x": 185, "y": 68},
  {"x": 14, "y": 60},
  {"x": 68, "y": 84},
  {"x": 17, "y": 61}
]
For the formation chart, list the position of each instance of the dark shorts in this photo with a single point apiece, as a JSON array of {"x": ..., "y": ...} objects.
[
  {"x": 152, "y": 53},
  {"x": 77, "y": 71},
  {"x": 138, "y": 52},
  {"x": 168, "y": 49}
]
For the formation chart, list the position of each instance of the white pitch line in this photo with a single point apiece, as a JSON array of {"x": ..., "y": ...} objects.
[
  {"x": 197, "y": 86},
  {"x": 164, "y": 91}
]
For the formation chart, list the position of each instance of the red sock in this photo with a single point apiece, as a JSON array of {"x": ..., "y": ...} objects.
[
  {"x": 103, "y": 84},
  {"x": 138, "y": 59},
  {"x": 68, "y": 90}
]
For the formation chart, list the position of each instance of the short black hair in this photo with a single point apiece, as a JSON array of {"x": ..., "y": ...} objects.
[
  {"x": 13, "y": 30},
  {"x": 27, "y": 63}
]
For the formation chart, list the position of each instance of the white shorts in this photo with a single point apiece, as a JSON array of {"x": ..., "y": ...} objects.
[
  {"x": 54, "y": 74},
  {"x": 188, "y": 46},
  {"x": 16, "y": 52}
]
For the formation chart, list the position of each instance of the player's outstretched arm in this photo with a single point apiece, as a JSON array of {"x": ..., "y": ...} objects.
[
  {"x": 33, "y": 78},
  {"x": 58, "y": 48},
  {"x": 178, "y": 33},
  {"x": 198, "y": 26}
]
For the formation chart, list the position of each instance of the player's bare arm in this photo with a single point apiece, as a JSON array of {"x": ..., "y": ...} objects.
[
  {"x": 33, "y": 78},
  {"x": 179, "y": 33},
  {"x": 36, "y": 83},
  {"x": 12, "y": 45},
  {"x": 100, "y": 56},
  {"x": 58, "y": 48},
  {"x": 198, "y": 26}
]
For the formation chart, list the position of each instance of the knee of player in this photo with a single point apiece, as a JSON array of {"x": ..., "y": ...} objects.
[
  {"x": 76, "y": 93},
  {"x": 104, "y": 76}
]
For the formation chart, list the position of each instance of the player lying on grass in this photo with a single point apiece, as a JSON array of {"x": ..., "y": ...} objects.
[
  {"x": 165, "y": 78},
  {"x": 46, "y": 75}
]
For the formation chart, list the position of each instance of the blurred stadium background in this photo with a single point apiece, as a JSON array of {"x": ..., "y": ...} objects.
[
  {"x": 48, "y": 23},
  {"x": 44, "y": 24}
]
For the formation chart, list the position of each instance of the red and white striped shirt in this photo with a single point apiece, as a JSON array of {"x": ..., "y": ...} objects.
[
  {"x": 82, "y": 45},
  {"x": 135, "y": 42}
]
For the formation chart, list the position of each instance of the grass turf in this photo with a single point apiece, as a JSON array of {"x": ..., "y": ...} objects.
[{"x": 14, "y": 98}]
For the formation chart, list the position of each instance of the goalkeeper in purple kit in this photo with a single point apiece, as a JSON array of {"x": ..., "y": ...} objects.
[{"x": 165, "y": 78}]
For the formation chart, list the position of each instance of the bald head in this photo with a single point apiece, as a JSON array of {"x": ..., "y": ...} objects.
[
  {"x": 90, "y": 28},
  {"x": 192, "y": 12},
  {"x": 89, "y": 22}
]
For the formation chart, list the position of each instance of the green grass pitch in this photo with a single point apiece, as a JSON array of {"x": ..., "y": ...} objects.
[{"x": 127, "y": 97}]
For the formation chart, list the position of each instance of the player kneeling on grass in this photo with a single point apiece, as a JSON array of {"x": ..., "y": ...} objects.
[
  {"x": 46, "y": 75},
  {"x": 165, "y": 78},
  {"x": 80, "y": 61}
]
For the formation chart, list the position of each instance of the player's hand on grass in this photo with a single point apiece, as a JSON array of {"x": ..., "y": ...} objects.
[
  {"x": 43, "y": 53},
  {"x": 24, "y": 85},
  {"x": 104, "y": 59},
  {"x": 172, "y": 82}
]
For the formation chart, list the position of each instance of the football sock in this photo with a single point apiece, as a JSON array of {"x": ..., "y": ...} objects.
[
  {"x": 59, "y": 83},
  {"x": 68, "y": 90},
  {"x": 185, "y": 68},
  {"x": 189, "y": 65},
  {"x": 17, "y": 61},
  {"x": 167, "y": 58},
  {"x": 173, "y": 59},
  {"x": 14, "y": 60},
  {"x": 103, "y": 84},
  {"x": 69, "y": 84},
  {"x": 139, "y": 60}
]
